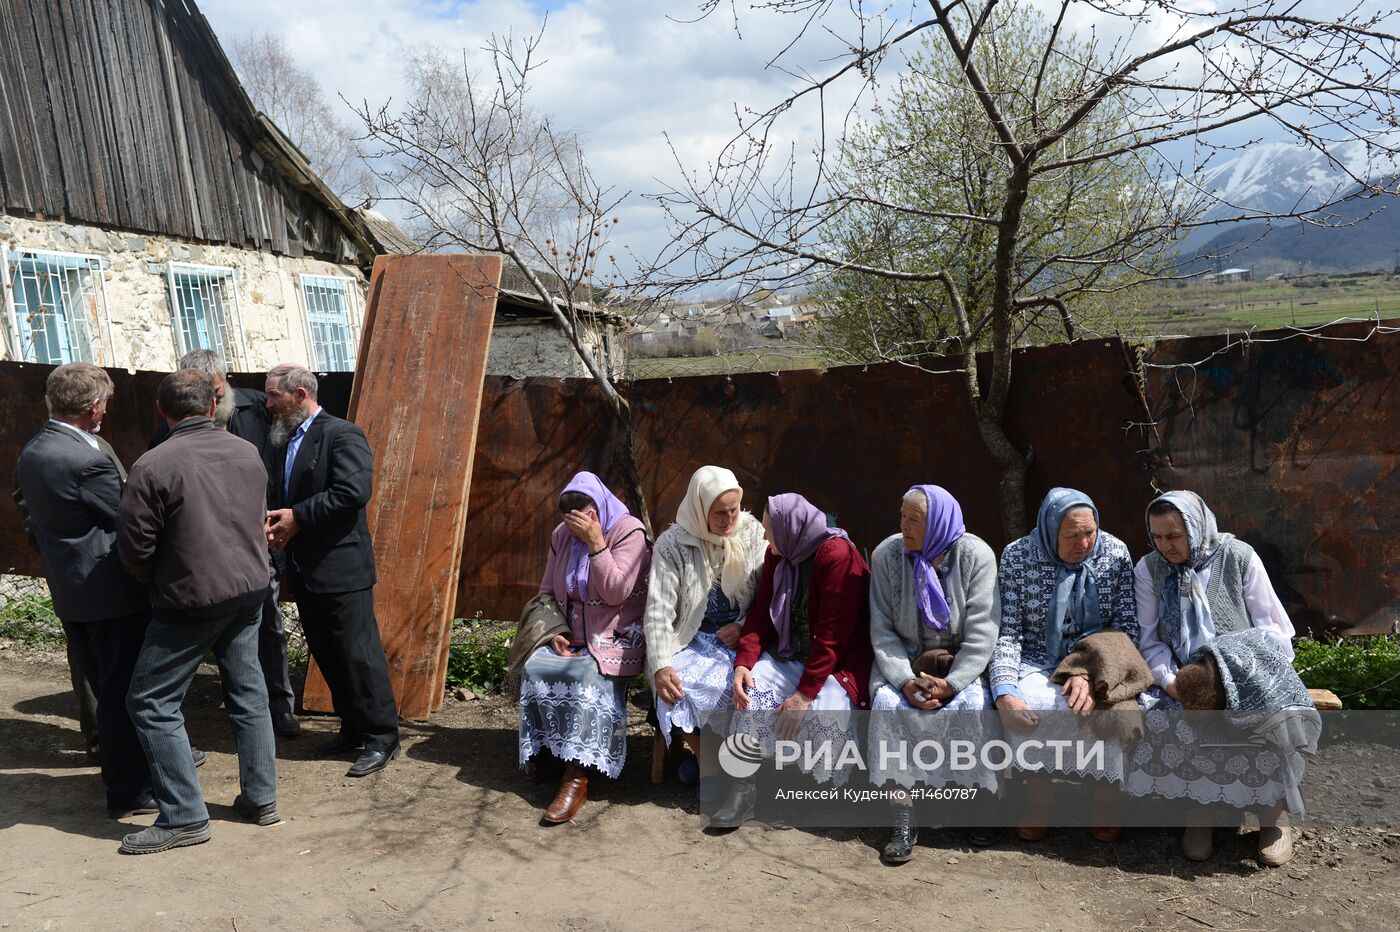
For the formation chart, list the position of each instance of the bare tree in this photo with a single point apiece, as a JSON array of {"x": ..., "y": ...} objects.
[
  {"x": 1158, "y": 84},
  {"x": 293, "y": 99},
  {"x": 479, "y": 171}
]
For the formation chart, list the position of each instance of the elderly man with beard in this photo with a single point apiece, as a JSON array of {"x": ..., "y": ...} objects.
[
  {"x": 322, "y": 474},
  {"x": 243, "y": 413}
]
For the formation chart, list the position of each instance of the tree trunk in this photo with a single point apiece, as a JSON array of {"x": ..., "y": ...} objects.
[
  {"x": 1013, "y": 466},
  {"x": 622, "y": 450}
]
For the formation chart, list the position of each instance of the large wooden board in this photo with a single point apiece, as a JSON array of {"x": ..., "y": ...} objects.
[{"x": 417, "y": 396}]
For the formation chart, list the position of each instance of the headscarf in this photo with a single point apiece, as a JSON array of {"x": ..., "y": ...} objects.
[
  {"x": 942, "y": 527},
  {"x": 1076, "y": 593},
  {"x": 707, "y": 484},
  {"x": 1182, "y": 609},
  {"x": 610, "y": 509},
  {"x": 799, "y": 528}
]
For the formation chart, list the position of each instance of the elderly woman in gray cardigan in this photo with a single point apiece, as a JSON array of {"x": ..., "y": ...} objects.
[
  {"x": 704, "y": 571},
  {"x": 934, "y": 606}
]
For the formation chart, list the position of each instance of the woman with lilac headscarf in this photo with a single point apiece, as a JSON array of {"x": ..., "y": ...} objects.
[
  {"x": 1064, "y": 581},
  {"x": 573, "y": 695},
  {"x": 1201, "y": 591},
  {"x": 805, "y": 646},
  {"x": 933, "y": 605}
]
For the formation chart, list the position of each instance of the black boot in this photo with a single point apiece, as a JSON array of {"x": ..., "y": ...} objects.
[{"x": 900, "y": 848}]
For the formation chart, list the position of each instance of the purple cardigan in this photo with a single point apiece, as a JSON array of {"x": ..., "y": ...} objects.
[{"x": 616, "y": 597}]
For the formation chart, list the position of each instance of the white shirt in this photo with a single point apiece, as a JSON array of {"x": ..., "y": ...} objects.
[
  {"x": 87, "y": 437},
  {"x": 1265, "y": 610}
]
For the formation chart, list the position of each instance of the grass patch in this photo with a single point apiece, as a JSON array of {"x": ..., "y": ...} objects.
[
  {"x": 30, "y": 620},
  {"x": 477, "y": 656},
  {"x": 1363, "y": 671}
]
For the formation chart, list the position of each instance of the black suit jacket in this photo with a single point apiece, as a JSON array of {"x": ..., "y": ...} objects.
[
  {"x": 331, "y": 482},
  {"x": 70, "y": 493}
]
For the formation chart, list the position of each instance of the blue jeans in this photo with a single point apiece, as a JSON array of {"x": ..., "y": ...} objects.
[{"x": 169, "y": 658}]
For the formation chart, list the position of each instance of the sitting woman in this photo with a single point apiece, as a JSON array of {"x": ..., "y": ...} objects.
[
  {"x": 806, "y": 639},
  {"x": 703, "y": 574},
  {"x": 1065, "y": 580},
  {"x": 1197, "y": 592},
  {"x": 933, "y": 624},
  {"x": 573, "y": 694}
]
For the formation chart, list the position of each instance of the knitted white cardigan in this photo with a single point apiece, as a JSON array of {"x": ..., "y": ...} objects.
[{"x": 680, "y": 588}]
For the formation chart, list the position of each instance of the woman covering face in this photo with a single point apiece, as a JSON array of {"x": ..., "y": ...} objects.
[
  {"x": 1064, "y": 581},
  {"x": 573, "y": 695},
  {"x": 933, "y": 624},
  {"x": 704, "y": 571},
  {"x": 1204, "y": 594}
]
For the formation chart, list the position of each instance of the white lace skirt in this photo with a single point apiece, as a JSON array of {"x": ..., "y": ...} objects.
[
  {"x": 1087, "y": 755},
  {"x": 895, "y": 723},
  {"x": 571, "y": 709},
  {"x": 706, "y": 669},
  {"x": 1176, "y": 762},
  {"x": 828, "y": 721}
]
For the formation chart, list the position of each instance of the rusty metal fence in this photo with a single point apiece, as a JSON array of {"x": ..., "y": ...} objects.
[{"x": 1291, "y": 437}]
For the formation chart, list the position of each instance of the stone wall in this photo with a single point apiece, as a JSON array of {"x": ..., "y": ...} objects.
[
  {"x": 138, "y": 300},
  {"x": 269, "y": 304}
]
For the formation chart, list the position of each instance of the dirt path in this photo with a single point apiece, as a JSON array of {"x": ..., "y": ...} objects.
[{"x": 448, "y": 837}]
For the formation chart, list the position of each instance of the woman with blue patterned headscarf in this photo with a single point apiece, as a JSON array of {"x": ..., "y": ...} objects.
[
  {"x": 1065, "y": 580},
  {"x": 1201, "y": 592}
]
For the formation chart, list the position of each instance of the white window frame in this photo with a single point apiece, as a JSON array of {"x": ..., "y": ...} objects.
[
  {"x": 354, "y": 317},
  {"x": 236, "y": 352},
  {"x": 101, "y": 346}
]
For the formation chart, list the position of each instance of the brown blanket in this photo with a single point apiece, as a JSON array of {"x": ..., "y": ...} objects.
[
  {"x": 1198, "y": 685},
  {"x": 1118, "y": 673},
  {"x": 936, "y": 662},
  {"x": 540, "y": 621}
]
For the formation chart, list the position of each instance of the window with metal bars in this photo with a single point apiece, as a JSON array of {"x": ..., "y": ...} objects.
[
  {"x": 331, "y": 321},
  {"x": 56, "y": 306},
  {"x": 204, "y": 309}
]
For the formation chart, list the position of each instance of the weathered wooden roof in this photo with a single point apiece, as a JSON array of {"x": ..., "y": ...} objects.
[{"x": 126, "y": 114}]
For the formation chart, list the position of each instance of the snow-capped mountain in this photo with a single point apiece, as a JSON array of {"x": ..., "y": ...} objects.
[{"x": 1282, "y": 177}]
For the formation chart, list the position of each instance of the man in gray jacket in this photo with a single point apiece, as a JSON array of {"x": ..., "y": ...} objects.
[
  {"x": 70, "y": 486},
  {"x": 191, "y": 524}
]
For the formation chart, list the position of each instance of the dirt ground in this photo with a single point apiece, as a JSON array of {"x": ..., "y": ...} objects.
[{"x": 448, "y": 837}]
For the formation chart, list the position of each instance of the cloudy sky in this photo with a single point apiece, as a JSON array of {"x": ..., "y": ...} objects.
[{"x": 624, "y": 72}]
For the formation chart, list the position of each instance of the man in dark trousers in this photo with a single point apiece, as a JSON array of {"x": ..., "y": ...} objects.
[
  {"x": 71, "y": 486},
  {"x": 243, "y": 413},
  {"x": 191, "y": 524},
  {"x": 319, "y": 520}
]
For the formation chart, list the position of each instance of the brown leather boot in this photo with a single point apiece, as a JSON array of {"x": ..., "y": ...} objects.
[{"x": 573, "y": 793}]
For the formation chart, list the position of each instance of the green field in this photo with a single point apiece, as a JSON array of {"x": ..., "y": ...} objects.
[
  {"x": 1159, "y": 311},
  {"x": 1265, "y": 305}
]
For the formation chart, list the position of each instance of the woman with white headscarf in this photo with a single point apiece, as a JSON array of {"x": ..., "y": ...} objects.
[
  {"x": 1203, "y": 592},
  {"x": 704, "y": 570}
]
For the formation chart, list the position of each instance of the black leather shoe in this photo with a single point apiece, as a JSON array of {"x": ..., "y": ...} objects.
[
  {"x": 982, "y": 836},
  {"x": 340, "y": 744},
  {"x": 142, "y": 804},
  {"x": 286, "y": 725},
  {"x": 371, "y": 761},
  {"x": 200, "y": 758},
  {"x": 900, "y": 848},
  {"x": 266, "y": 814},
  {"x": 736, "y": 809}
]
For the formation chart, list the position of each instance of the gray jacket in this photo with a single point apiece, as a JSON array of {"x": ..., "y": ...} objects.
[
  {"x": 898, "y": 633},
  {"x": 69, "y": 493},
  {"x": 191, "y": 522}
]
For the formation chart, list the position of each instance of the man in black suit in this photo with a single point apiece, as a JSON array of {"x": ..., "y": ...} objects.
[
  {"x": 71, "y": 487},
  {"x": 243, "y": 413},
  {"x": 322, "y": 474}
]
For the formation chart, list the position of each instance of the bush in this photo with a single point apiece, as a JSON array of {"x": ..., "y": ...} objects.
[
  {"x": 1363, "y": 671},
  {"x": 477, "y": 656},
  {"x": 30, "y": 620}
]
